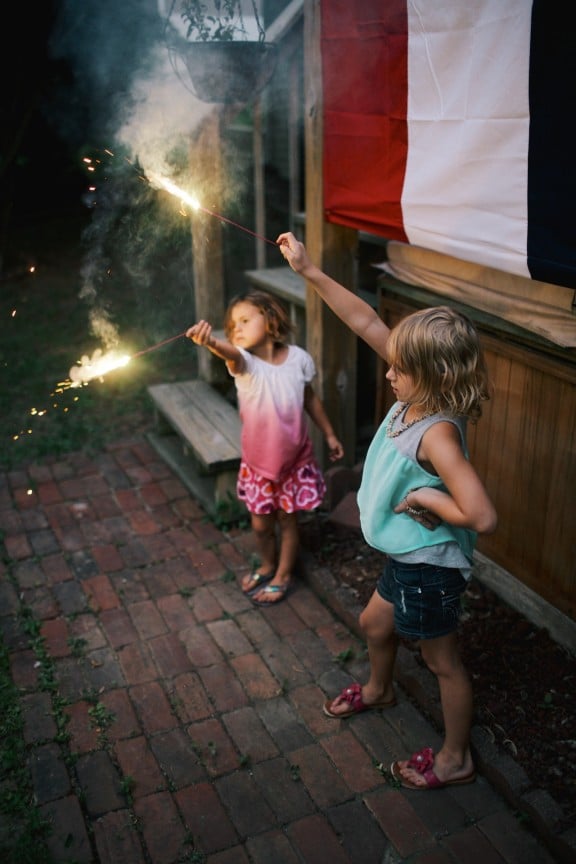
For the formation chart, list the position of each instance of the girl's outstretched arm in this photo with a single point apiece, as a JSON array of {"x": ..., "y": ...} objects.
[
  {"x": 201, "y": 334},
  {"x": 355, "y": 312}
]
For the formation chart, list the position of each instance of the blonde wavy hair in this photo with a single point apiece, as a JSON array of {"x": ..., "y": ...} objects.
[
  {"x": 278, "y": 324},
  {"x": 439, "y": 348}
]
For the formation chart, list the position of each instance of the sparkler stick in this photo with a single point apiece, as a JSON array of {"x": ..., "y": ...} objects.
[
  {"x": 237, "y": 225},
  {"x": 159, "y": 344}
]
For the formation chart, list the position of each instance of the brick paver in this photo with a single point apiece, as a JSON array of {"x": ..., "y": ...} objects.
[{"x": 185, "y": 723}]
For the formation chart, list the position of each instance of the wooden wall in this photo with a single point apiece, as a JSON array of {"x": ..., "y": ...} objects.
[
  {"x": 525, "y": 445},
  {"x": 524, "y": 448}
]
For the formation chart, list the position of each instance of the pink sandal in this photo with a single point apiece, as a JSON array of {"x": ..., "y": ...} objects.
[
  {"x": 423, "y": 763},
  {"x": 353, "y": 696}
]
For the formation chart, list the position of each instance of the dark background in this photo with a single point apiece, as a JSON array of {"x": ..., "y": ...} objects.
[
  {"x": 39, "y": 175},
  {"x": 66, "y": 73}
]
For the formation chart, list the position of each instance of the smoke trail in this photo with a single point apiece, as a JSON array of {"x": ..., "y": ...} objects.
[{"x": 126, "y": 106}]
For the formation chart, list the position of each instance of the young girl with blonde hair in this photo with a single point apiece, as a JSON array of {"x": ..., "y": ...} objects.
[{"x": 422, "y": 504}]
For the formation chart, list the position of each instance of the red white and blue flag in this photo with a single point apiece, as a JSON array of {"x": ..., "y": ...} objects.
[{"x": 449, "y": 124}]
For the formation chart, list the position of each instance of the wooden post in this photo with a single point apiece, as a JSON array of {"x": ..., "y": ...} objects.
[
  {"x": 332, "y": 248},
  {"x": 294, "y": 155},
  {"x": 259, "y": 190},
  {"x": 207, "y": 257}
]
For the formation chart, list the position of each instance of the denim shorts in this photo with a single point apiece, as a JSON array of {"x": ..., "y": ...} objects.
[{"x": 426, "y": 598}]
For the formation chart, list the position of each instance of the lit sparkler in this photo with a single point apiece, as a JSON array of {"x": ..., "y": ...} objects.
[
  {"x": 164, "y": 183},
  {"x": 96, "y": 366},
  {"x": 158, "y": 180},
  {"x": 87, "y": 369},
  {"x": 100, "y": 364}
]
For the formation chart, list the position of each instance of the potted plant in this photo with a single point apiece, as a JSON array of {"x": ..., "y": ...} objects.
[
  {"x": 223, "y": 59},
  {"x": 217, "y": 21}
]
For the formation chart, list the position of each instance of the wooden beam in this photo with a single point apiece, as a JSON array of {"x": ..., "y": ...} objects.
[
  {"x": 331, "y": 247},
  {"x": 206, "y": 169},
  {"x": 259, "y": 187}
]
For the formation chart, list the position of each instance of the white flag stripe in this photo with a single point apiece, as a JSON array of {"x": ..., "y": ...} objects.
[{"x": 468, "y": 124}]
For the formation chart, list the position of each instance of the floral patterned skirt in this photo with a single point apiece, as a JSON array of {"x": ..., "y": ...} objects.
[{"x": 303, "y": 489}]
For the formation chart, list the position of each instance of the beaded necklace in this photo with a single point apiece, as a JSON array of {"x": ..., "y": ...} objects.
[{"x": 393, "y": 433}]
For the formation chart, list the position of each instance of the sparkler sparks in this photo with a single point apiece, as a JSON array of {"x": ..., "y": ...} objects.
[
  {"x": 96, "y": 366},
  {"x": 159, "y": 181},
  {"x": 101, "y": 364},
  {"x": 87, "y": 369},
  {"x": 164, "y": 183}
]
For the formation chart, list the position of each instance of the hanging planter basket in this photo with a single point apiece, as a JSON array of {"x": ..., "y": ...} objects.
[{"x": 229, "y": 71}]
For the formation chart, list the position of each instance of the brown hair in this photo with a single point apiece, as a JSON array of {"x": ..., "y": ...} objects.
[
  {"x": 278, "y": 324},
  {"x": 439, "y": 348}
]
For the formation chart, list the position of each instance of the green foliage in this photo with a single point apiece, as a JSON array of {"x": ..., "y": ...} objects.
[
  {"x": 218, "y": 21},
  {"x": 195, "y": 857},
  {"x": 295, "y": 772},
  {"x": 127, "y": 788},
  {"x": 77, "y": 645},
  {"x": 230, "y": 513},
  {"x": 100, "y": 716},
  {"x": 345, "y": 656}
]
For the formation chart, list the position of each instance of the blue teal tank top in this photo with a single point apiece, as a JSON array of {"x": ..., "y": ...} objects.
[{"x": 391, "y": 469}]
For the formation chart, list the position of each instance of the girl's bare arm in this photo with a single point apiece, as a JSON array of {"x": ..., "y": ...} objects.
[
  {"x": 355, "y": 312},
  {"x": 201, "y": 334},
  {"x": 466, "y": 504},
  {"x": 315, "y": 409}
]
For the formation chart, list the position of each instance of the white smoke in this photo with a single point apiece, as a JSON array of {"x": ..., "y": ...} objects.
[
  {"x": 164, "y": 114},
  {"x": 127, "y": 103}
]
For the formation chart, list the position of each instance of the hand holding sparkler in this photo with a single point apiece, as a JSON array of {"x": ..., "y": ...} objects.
[
  {"x": 294, "y": 252},
  {"x": 201, "y": 334}
]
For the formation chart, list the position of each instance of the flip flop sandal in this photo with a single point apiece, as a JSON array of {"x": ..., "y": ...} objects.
[
  {"x": 278, "y": 592},
  {"x": 353, "y": 696},
  {"x": 257, "y": 581},
  {"x": 423, "y": 763}
]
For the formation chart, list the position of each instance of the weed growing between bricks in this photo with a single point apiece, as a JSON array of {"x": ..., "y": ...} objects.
[{"x": 23, "y": 833}]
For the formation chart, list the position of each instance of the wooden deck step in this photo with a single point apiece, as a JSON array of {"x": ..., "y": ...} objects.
[
  {"x": 198, "y": 434},
  {"x": 281, "y": 281}
]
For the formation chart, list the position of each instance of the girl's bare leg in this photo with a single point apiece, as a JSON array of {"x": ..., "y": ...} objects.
[
  {"x": 377, "y": 623},
  {"x": 288, "y": 553},
  {"x": 454, "y": 759},
  {"x": 289, "y": 546},
  {"x": 264, "y": 528}
]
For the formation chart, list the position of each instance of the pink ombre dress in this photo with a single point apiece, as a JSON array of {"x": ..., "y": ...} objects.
[{"x": 278, "y": 469}]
